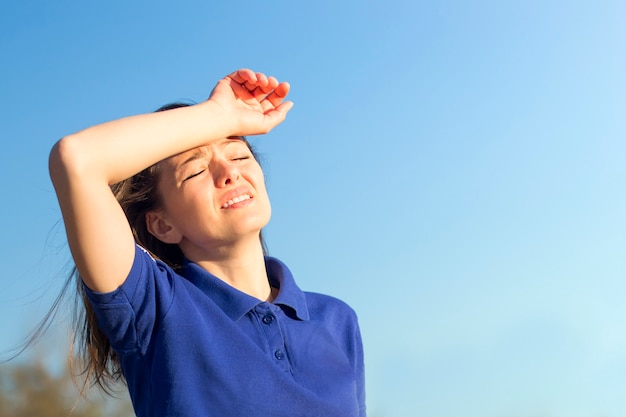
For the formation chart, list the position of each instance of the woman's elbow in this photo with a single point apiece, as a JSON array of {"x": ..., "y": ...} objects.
[{"x": 65, "y": 159}]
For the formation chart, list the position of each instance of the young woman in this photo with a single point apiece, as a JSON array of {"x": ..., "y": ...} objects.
[{"x": 163, "y": 214}]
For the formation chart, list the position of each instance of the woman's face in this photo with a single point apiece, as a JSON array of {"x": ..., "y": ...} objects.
[{"x": 213, "y": 196}]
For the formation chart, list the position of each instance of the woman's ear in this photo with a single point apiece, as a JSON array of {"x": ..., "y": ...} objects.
[{"x": 160, "y": 228}]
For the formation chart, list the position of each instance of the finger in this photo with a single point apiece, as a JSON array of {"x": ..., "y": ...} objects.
[
  {"x": 284, "y": 107},
  {"x": 238, "y": 83},
  {"x": 263, "y": 83},
  {"x": 262, "y": 80},
  {"x": 241, "y": 90},
  {"x": 261, "y": 91},
  {"x": 242, "y": 75},
  {"x": 278, "y": 114},
  {"x": 272, "y": 83},
  {"x": 243, "y": 83},
  {"x": 259, "y": 94},
  {"x": 248, "y": 85},
  {"x": 277, "y": 96},
  {"x": 250, "y": 93}
]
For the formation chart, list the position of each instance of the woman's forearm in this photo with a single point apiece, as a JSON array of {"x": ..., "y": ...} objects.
[{"x": 116, "y": 150}]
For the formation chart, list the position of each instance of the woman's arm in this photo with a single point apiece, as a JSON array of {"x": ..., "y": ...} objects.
[{"x": 85, "y": 164}]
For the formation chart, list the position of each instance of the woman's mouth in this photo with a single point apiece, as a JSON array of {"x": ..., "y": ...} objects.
[{"x": 236, "y": 200}]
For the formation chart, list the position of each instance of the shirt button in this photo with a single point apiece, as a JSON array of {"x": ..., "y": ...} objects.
[
  {"x": 268, "y": 319},
  {"x": 279, "y": 354}
]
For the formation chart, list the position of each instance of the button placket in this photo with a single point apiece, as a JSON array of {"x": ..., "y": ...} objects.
[{"x": 269, "y": 321}]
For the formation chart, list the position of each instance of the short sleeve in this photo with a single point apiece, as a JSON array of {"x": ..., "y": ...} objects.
[{"x": 130, "y": 315}]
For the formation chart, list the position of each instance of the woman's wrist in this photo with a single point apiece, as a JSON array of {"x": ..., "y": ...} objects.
[{"x": 218, "y": 122}]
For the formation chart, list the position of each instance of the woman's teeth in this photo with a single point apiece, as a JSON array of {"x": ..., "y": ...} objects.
[{"x": 236, "y": 200}]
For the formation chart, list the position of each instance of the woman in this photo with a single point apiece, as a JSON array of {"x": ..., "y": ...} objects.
[{"x": 185, "y": 304}]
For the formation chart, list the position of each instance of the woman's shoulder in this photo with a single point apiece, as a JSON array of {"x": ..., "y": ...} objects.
[
  {"x": 328, "y": 307},
  {"x": 146, "y": 271}
]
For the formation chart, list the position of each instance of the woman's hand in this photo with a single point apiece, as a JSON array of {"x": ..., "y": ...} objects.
[{"x": 253, "y": 102}]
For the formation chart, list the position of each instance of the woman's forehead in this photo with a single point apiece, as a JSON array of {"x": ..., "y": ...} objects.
[{"x": 202, "y": 151}]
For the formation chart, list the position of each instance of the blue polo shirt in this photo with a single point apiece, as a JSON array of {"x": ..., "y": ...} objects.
[{"x": 191, "y": 345}]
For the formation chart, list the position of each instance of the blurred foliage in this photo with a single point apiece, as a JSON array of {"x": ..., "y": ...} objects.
[{"x": 31, "y": 390}]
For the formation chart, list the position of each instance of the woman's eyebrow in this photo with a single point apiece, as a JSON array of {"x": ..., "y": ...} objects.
[
  {"x": 197, "y": 154},
  {"x": 200, "y": 152},
  {"x": 233, "y": 140}
]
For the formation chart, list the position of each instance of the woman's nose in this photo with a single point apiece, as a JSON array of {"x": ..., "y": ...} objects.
[{"x": 225, "y": 173}]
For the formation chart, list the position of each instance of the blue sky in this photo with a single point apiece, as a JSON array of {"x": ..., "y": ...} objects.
[{"x": 454, "y": 170}]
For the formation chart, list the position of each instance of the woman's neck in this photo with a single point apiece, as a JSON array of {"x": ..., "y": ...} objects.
[{"x": 240, "y": 265}]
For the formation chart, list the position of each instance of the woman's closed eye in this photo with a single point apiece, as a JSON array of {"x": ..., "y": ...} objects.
[
  {"x": 195, "y": 174},
  {"x": 241, "y": 158}
]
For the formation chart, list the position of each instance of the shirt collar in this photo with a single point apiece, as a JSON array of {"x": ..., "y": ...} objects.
[
  {"x": 289, "y": 295},
  {"x": 235, "y": 303}
]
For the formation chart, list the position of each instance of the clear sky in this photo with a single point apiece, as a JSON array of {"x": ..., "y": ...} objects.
[{"x": 454, "y": 170}]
